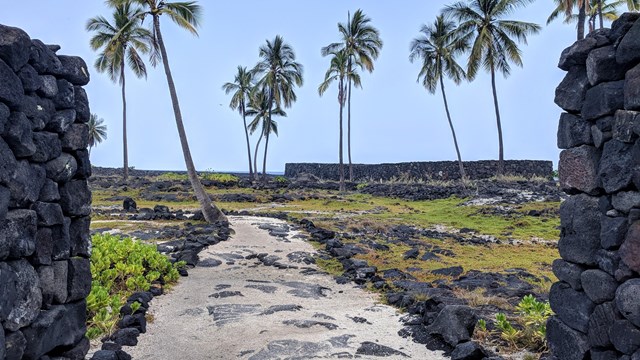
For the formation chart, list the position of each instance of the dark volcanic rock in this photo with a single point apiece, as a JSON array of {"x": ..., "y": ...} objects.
[
  {"x": 43, "y": 59},
  {"x": 577, "y": 53},
  {"x": 603, "y": 99},
  {"x": 30, "y": 79},
  {"x": 11, "y": 92},
  {"x": 61, "y": 121},
  {"x": 632, "y": 89},
  {"x": 568, "y": 272},
  {"x": 602, "y": 66},
  {"x": 627, "y": 300},
  {"x": 27, "y": 182},
  {"x": 28, "y": 297},
  {"x": 8, "y": 163},
  {"x": 15, "y": 46},
  {"x": 76, "y": 137},
  {"x": 625, "y": 337},
  {"x": 15, "y": 344},
  {"x": 572, "y": 90},
  {"x": 19, "y": 135},
  {"x": 19, "y": 230},
  {"x": 613, "y": 232},
  {"x": 579, "y": 236},
  {"x": 600, "y": 323},
  {"x": 599, "y": 286},
  {"x": 455, "y": 324},
  {"x": 61, "y": 325},
  {"x": 65, "y": 99},
  {"x": 468, "y": 351},
  {"x": 79, "y": 281},
  {"x": 79, "y": 237},
  {"x": 617, "y": 159},
  {"x": 129, "y": 205},
  {"x": 74, "y": 69},
  {"x": 44, "y": 247},
  {"x": 75, "y": 198},
  {"x": 573, "y": 131},
  {"x": 564, "y": 342},
  {"x": 49, "y": 214},
  {"x": 630, "y": 249},
  {"x": 47, "y": 146},
  {"x": 373, "y": 349},
  {"x": 126, "y": 337},
  {"x": 578, "y": 169},
  {"x": 626, "y": 126},
  {"x": 450, "y": 271},
  {"x": 83, "y": 113},
  {"x": 8, "y": 284},
  {"x": 629, "y": 48},
  {"x": 573, "y": 307}
]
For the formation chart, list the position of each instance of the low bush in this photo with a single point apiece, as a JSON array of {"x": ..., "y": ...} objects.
[
  {"x": 532, "y": 319},
  {"x": 121, "y": 267},
  {"x": 220, "y": 178}
]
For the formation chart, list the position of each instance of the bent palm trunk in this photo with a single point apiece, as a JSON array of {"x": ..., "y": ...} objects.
[
  {"x": 246, "y": 134},
  {"x": 463, "y": 176},
  {"x": 266, "y": 143},
  {"x": 211, "y": 212},
  {"x": 499, "y": 123},
  {"x": 582, "y": 17},
  {"x": 255, "y": 158},
  {"x": 125, "y": 151}
]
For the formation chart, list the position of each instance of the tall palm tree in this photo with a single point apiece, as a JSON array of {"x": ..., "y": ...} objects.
[
  {"x": 97, "y": 131},
  {"x": 493, "y": 47},
  {"x": 437, "y": 47},
  {"x": 241, "y": 87},
  {"x": 601, "y": 9},
  {"x": 186, "y": 14},
  {"x": 566, "y": 7},
  {"x": 361, "y": 41},
  {"x": 338, "y": 71},
  {"x": 122, "y": 42},
  {"x": 279, "y": 73},
  {"x": 258, "y": 107}
]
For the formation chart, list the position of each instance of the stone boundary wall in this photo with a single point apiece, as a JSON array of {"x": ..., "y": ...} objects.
[
  {"x": 436, "y": 170},
  {"x": 597, "y": 301},
  {"x": 44, "y": 200}
]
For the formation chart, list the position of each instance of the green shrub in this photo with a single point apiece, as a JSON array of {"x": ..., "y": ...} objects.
[
  {"x": 361, "y": 186},
  {"x": 171, "y": 176},
  {"x": 532, "y": 318},
  {"x": 221, "y": 178},
  {"x": 281, "y": 179},
  {"x": 120, "y": 267}
]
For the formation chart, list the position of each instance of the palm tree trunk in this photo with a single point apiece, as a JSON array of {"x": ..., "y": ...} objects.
[
  {"x": 246, "y": 134},
  {"x": 453, "y": 132},
  {"x": 266, "y": 143},
  {"x": 255, "y": 157},
  {"x": 125, "y": 151},
  {"x": 349, "y": 129},
  {"x": 582, "y": 16},
  {"x": 341, "y": 156},
  {"x": 600, "y": 14},
  {"x": 210, "y": 212},
  {"x": 500, "y": 143}
]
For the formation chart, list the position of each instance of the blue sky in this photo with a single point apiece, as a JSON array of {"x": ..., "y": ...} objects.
[{"x": 394, "y": 119}]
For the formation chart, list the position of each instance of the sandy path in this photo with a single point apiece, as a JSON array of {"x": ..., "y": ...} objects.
[{"x": 244, "y": 309}]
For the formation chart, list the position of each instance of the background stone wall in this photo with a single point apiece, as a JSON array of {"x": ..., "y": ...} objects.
[
  {"x": 44, "y": 200},
  {"x": 436, "y": 170},
  {"x": 597, "y": 301}
]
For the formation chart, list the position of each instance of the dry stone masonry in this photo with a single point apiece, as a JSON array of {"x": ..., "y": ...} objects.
[
  {"x": 44, "y": 200},
  {"x": 436, "y": 170},
  {"x": 597, "y": 301}
]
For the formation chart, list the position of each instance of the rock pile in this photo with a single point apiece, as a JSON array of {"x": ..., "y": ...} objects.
[
  {"x": 597, "y": 301},
  {"x": 44, "y": 200}
]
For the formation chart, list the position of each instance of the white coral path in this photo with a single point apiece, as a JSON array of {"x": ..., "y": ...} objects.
[{"x": 280, "y": 313}]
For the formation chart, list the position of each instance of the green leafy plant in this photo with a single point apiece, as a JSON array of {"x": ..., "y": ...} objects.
[
  {"x": 482, "y": 325},
  {"x": 221, "y": 178},
  {"x": 281, "y": 180},
  {"x": 532, "y": 319},
  {"x": 120, "y": 267},
  {"x": 361, "y": 186}
]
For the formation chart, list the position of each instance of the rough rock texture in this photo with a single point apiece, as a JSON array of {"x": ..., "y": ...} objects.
[
  {"x": 440, "y": 170},
  {"x": 597, "y": 299},
  {"x": 44, "y": 201}
]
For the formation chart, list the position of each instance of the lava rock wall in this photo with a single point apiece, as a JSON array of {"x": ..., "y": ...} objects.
[
  {"x": 597, "y": 301},
  {"x": 435, "y": 170},
  {"x": 44, "y": 200}
]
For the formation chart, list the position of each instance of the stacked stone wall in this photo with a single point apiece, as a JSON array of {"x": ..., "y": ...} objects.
[
  {"x": 44, "y": 200},
  {"x": 597, "y": 300},
  {"x": 435, "y": 170}
]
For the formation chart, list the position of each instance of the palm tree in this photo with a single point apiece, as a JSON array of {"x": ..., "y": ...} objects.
[
  {"x": 97, "y": 131},
  {"x": 259, "y": 106},
  {"x": 566, "y": 7},
  {"x": 438, "y": 47},
  {"x": 241, "y": 87},
  {"x": 279, "y": 73},
  {"x": 123, "y": 40},
  {"x": 493, "y": 47},
  {"x": 362, "y": 43},
  {"x": 186, "y": 15},
  {"x": 601, "y": 9},
  {"x": 338, "y": 72}
]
